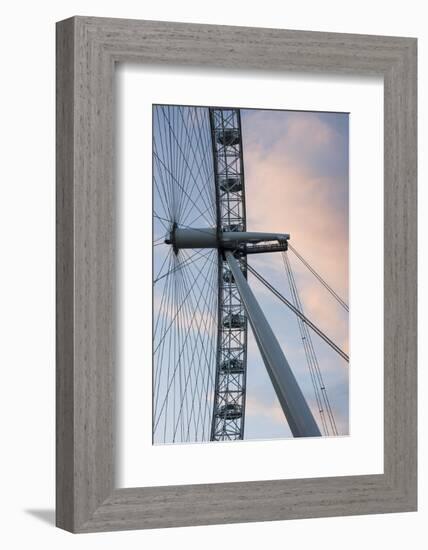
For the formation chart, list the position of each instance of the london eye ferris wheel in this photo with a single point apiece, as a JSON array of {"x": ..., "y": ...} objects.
[{"x": 203, "y": 305}]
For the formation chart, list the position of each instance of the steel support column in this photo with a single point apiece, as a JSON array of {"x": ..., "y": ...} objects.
[{"x": 293, "y": 403}]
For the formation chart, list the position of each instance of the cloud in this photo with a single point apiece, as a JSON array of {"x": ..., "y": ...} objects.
[
  {"x": 296, "y": 183},
  {"x": 286, "y": 194},
  {"x": 308, "y": 133},
  {"x": 272, "y": 411}
]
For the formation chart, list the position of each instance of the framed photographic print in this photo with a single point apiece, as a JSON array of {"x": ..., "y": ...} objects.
[{"x": 236, "y": 274}]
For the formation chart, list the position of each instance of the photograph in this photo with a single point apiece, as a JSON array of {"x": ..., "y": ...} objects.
[
  {"x": 250, "y": 274},
  {"x": 210, "y": 329}
]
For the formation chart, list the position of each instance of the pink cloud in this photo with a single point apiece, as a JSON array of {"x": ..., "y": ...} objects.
[
  {"x": 284, "y": 195},
  {"x": 308, "y": 132},
  {"x": 272, "y": 411},
  {"x": 258, "y": 408}
]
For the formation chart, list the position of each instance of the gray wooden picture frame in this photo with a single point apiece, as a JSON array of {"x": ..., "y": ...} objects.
[{"x": 87, "y": 50}]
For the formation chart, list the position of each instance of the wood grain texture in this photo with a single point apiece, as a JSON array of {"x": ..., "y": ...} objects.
[
  {"x": 64, "y": 277},
  {"x": 87, "y": 50}
]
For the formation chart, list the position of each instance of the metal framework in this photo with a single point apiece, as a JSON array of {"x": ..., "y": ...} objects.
[{"x": 231, "y": 361}]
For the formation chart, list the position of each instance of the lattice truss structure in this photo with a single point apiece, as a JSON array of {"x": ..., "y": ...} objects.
[{"x": 231, "y": 364}]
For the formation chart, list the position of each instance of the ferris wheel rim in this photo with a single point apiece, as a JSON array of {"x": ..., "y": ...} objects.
[{"x": 226, "y": 426}]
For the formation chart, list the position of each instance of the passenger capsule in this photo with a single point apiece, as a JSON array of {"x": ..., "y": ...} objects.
[
  {"x": 230, "y": 411},
  {"x": 229, "y": 136},
  {"x": 233, "y": 227},
  {"x": 232, "y": 184},
  {"x": 234, "y": 320},
  {"x": 234, "y": 366},
  {"x": 228, "y": 276}
]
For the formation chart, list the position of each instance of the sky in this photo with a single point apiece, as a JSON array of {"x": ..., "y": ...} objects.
[
  {"x": 296, "y": 180},
  {"x": 296, "y": 177}
]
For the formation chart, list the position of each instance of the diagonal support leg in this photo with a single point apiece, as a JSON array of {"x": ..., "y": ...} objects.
[{"x": 293, "y": 403}]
